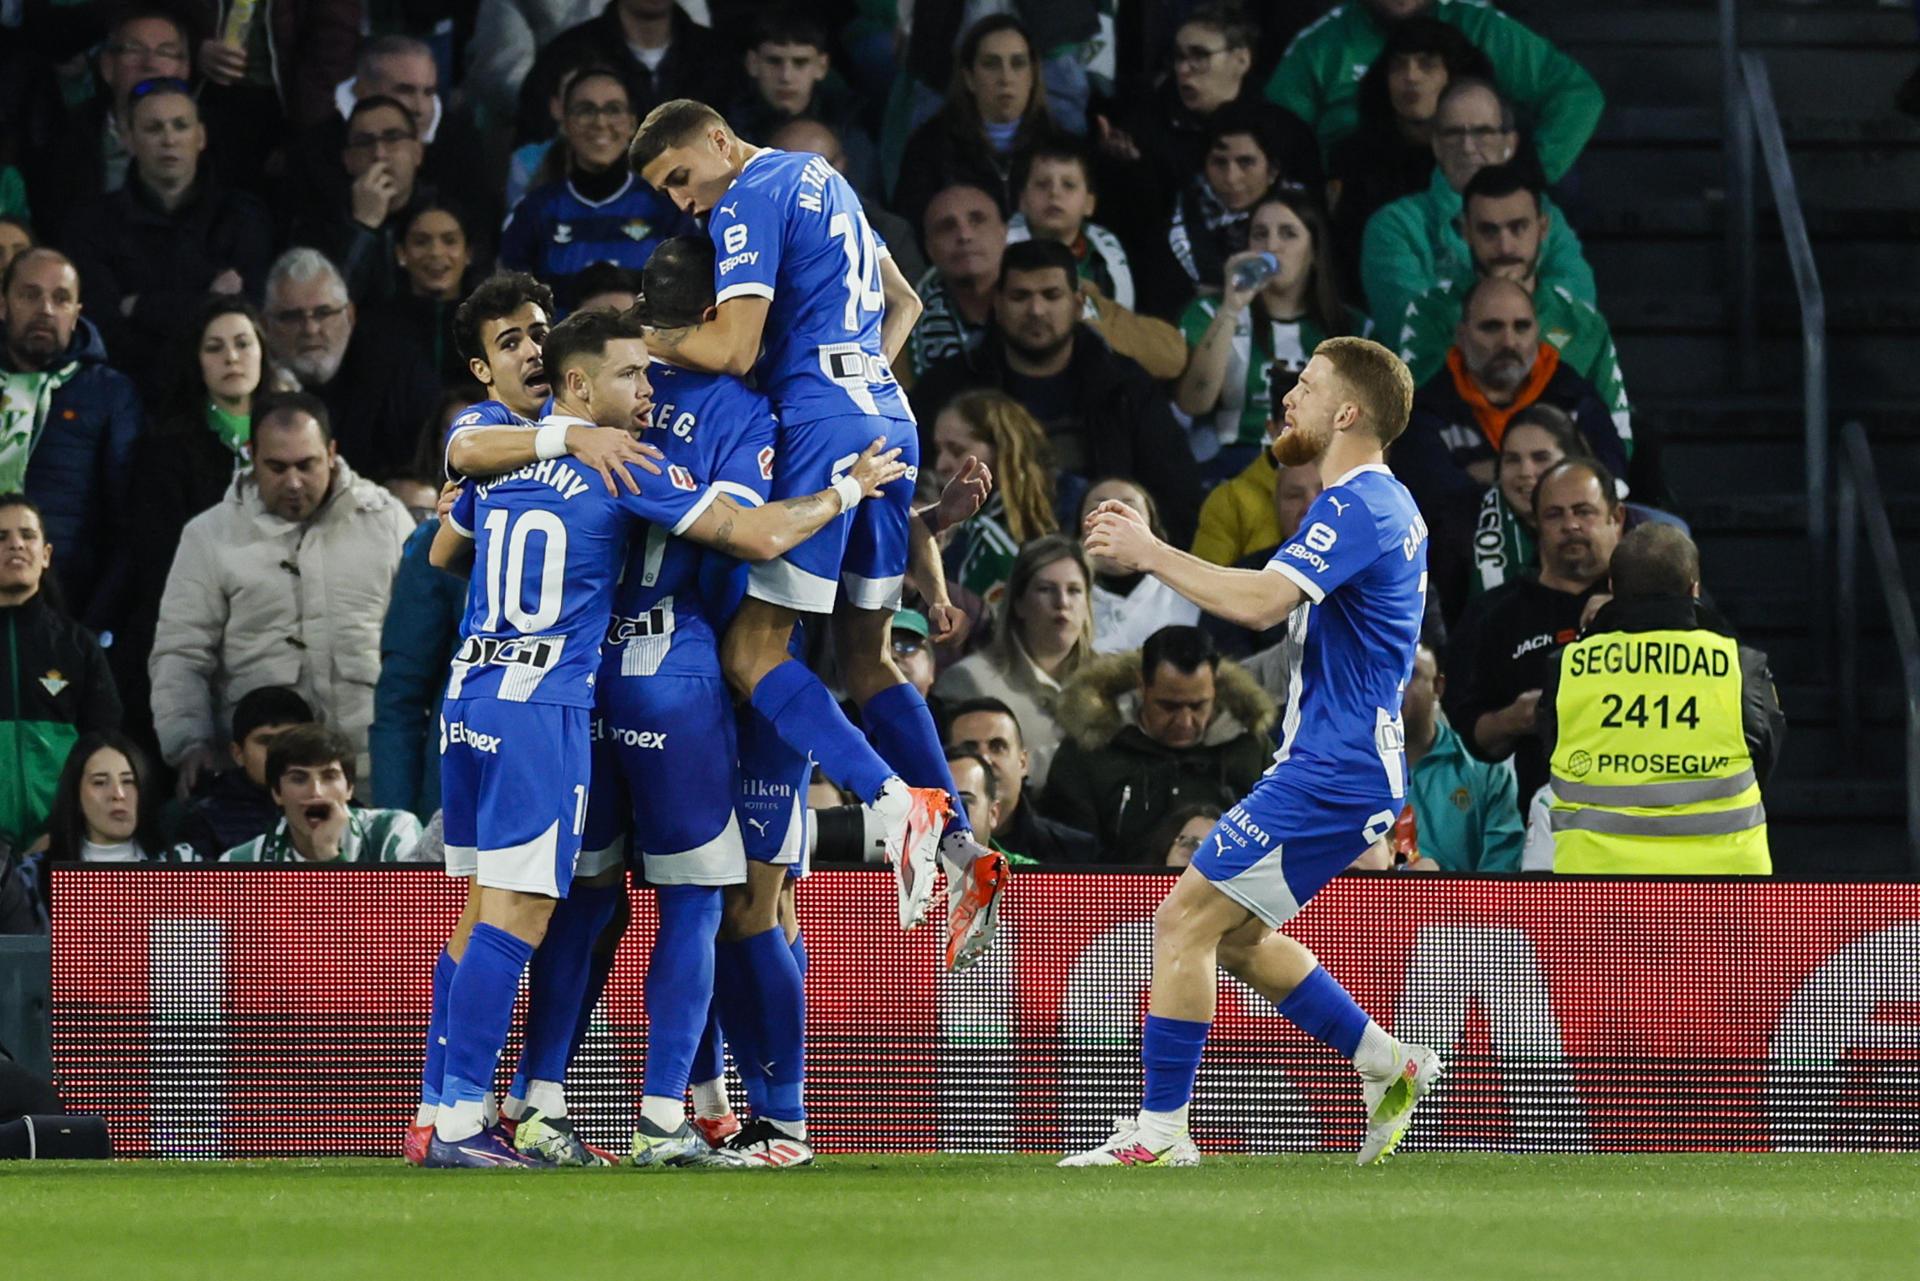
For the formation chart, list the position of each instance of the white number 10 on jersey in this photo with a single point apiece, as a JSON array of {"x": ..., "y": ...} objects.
[{"x": 863, "y": 268}]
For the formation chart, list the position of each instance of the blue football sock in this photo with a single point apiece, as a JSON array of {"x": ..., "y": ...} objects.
[
  {"x": 679, "y": 985},
  {"x": 799, "y": 949},
  {"x": 1321, "y": 1008},
  {"x": 1170, "y": 1051},
  {"x": 479, "y": 1010},
  {"x": 710, "y": 1056},
  {"x": 435, "y": 1066},
  {"x": 557, "y": 979},
  {"x": 598, "y": 968},
  {"x": 783, "y": 1020},
  {"x": 901, "y": 727},
  {"x": 808, "y": 720},
  {"x": 739, "y": 1008}
]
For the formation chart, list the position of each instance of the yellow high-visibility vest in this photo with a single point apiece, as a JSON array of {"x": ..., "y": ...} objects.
[{"x": 1651, "y": 773}]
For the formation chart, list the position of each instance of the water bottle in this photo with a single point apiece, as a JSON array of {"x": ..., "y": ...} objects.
[{"x": 1254, "y": 272}]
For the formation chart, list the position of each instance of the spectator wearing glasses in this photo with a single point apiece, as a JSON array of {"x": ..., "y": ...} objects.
[
  {"x": 285, "y": 582},
  {"x": 996, "y": 110},
  {"x": 1390, "y": 155},
  {"x": 1415, "y": 242},
  {"x": 1318, "y": 76},
  {"x": 173, "y": 233},
  {"x": 376, "y": 385},
  {"x": 68, "y": 424},
  {"x": 375, "y": 187},
  {"x": 86, "y": 152},
  {"x": 590, "y": 207}
]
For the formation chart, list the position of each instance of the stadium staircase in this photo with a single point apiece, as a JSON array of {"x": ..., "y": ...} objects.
[{"x": 1649, "y": 200}]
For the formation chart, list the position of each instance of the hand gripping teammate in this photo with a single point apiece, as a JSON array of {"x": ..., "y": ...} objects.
[
  {"x": 546, "y": 544},
  {"x": 801, "y": 273},
  {"x": 1351, "y": 585},
  {"x": 500, "y": 328}
]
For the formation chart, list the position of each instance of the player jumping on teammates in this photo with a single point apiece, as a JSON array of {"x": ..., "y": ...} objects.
[
  {"x": 1351, "y": 585},
  {"x": 500, "y": 328},
  {"x": 546, "y": 545},
  {"x": 800, "y": 270}
]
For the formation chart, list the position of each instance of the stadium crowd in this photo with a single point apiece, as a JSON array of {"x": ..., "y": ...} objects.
[{"x": 235, "y": 235}]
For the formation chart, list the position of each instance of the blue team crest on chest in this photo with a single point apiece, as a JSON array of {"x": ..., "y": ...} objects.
[
  {"x": 563, "y": 233},
  {"x": 637, "y": 229}
]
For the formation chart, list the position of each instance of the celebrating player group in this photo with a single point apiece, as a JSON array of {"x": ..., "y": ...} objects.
[
  {"x": 650, "y": 501},
  {"x": 616, "y": 485}
]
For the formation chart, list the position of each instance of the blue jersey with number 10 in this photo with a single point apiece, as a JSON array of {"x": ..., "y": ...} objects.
[
  {"x": 548, "y": 542},
  {"x": 791, "y": 230}
]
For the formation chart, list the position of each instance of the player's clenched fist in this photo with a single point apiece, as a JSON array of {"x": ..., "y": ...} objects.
[{"x": 1118, "y": 533}]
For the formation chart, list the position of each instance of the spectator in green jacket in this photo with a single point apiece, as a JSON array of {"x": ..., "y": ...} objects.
[
  {"x": 1509, "y": 223},
  {"x": 1319, "y": 75},
  {"x": 54, "y": 682},
  {"x": 1465, "y": 809},
  {"x": 310, "y": 770},
  {"x": 1415, "y": 242}
]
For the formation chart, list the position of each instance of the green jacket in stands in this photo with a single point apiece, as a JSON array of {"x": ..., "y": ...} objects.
[
  {"x": 54, "y": 687},
  {"x": 1318, "y": 78}
]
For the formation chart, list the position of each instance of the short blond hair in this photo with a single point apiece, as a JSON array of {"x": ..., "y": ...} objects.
[{"x": 1380, "y": 382}]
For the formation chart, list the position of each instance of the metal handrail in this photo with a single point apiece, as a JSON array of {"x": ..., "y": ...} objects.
[
  {"x": 1860, "y": 501},
  {"x": 1754, "y": 120}
]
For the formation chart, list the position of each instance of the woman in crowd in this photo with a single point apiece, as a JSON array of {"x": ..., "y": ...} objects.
[
  {"x": 434, "y": 251},
  {"x": 996, "y": 109},
  {"x": 1045, "y": 633},
  {"x": 1246, "y": 346},
  {"x": 105, "y": 805},
  {"x": 1129, "y": 607},
  {"x": 589, "y": 206},
  {"x": 1390, "y": 155},
  {"x": 997, "y": 430},
  {"x": 1213, "y": 215}
]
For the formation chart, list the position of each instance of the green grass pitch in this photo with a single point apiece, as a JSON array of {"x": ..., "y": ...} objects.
[{"x": 1421, "y": 1217}]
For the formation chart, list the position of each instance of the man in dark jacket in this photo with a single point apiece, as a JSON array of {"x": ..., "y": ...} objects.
[
  {"x": 682, "y": 60},
  {"x": 54, "y": 682},
  {"x": 149, "y": 252},
  {"x": 379, "y": 387},
  {"x": 68, "y": 424},
  {"x": 987, "y": 728},
  {"x": 235, "y": 805},
  {"x": 1101, "y": 411},
  {"x": 417, "y": 640},
  {"x": 1148, "y": 734},
  {"x": 365, "y": 197},
  {"x": 1503, "y": 647}
]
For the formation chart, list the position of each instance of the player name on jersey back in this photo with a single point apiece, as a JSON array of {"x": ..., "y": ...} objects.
[{"x": 792, "y": 231}]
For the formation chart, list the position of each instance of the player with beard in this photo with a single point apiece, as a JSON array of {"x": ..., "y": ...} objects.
[
  {"x": 501, "y": 328},
  {"x": 1351, "y": 585}
]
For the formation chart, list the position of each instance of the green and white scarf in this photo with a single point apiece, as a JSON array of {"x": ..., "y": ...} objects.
[
  {"x": 1502, "y": 547},
  {"x": 25, "y": 399}
]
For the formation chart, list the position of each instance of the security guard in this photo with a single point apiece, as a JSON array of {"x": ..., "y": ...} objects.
[{"x": 1660, "y": 727}]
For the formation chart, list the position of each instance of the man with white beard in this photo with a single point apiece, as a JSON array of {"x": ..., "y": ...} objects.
[{"x": 378, "y": 386}]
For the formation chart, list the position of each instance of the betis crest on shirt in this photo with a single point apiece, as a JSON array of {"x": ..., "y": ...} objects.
[{"x": 639, "y": 229}]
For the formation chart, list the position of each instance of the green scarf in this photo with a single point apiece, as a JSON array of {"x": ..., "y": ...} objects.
[
  {"x": 232, "y": 429},
  {"x": 25, "y": 399},
  {"x": 1502, "y": 547}
]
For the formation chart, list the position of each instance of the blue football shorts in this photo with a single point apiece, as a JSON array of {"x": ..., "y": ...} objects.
[
  {"x": 513, "y": 790},
  {"x": 1276, "y": 848},
  {"x": 773, "y": 794},
  {"x": 865, "y": 550},
  {"x": 663, "y": 780}
]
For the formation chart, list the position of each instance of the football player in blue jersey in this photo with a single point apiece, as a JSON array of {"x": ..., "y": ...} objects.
[
  {"x": 500, "y": 328},
  {"x": 546, "y": 546},
  {"x": 810, "y": 298},
  {"x": 1351, "y": 585}
]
